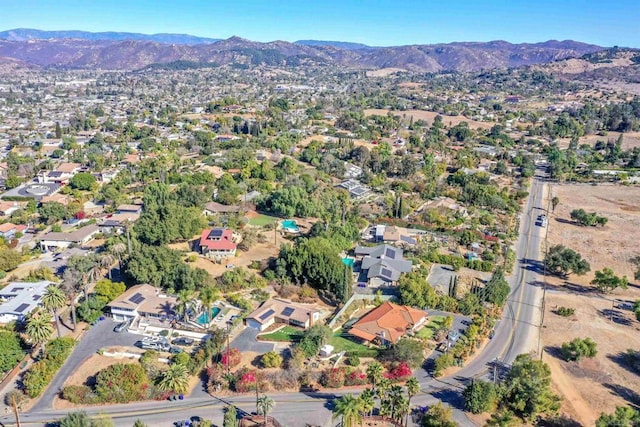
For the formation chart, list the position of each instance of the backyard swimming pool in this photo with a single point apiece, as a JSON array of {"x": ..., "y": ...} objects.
[
  {"x": 348, "y": 261},
  {"x": 290, "y": 226},
  {"x": 203, "y": 320}
]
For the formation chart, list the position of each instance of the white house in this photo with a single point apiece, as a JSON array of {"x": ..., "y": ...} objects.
[
  {"x": 18, "y": 299},
  {"x": 145, "y": 301},
  {"x": 282, "y": 311},
  {"x": 55, "y": 240}
]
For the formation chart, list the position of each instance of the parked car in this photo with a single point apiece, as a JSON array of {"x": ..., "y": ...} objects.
[
  {"x": 121, "y": 327},
  {"x": 183, "y": 341},
  {"x": 158, "y": 346},
  {"x": 175, "y": 350}
]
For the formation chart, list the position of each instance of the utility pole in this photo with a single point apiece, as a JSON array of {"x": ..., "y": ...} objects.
[
  {"x": 228, "y": 347},
  {"x": 544, "y": 272},
  {"x": 14, "y": 405}
]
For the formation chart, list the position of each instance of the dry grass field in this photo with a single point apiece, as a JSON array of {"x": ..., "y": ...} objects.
[
  {"x": 428, "y": 116},
  {"x": 596, "y": 385},
  {"x": 629, "y": 140}
]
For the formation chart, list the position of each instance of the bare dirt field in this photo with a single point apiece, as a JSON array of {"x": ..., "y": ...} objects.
[
  {"x": 428, "y": 116},
  {"x": 596, "y": 385},
  {"x": 629, "y": 139}
]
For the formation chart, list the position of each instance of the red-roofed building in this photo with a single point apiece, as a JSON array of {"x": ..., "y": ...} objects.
[
  {"x": 387, "y": 323},
  {"x": 217, "y": 243}
]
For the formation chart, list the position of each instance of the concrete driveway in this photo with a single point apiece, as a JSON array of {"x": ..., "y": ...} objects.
[
  {"x": 98, "y": 336},
  {"x": 246, "y": 341}
]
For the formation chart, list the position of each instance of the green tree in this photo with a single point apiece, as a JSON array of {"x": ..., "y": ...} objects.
[
  {"x": 39, "y": 327},
  {"x": 497, "y": 289},
  {"x": 83, "y": 181},
  {"x": 53, "y": 300},
  {"x": 438, "y": 415},
  {"x": 52, "y": 212},
  {"x": 367, "y": 401},
  {"x": 230, "y": 417},
  {"x": 607, "y": 281},
  {"x": 76, "y": 419},
  {"x": 207, "y": 297},
  {"x": 624, "y": 416},
  {"x": 264, "y": 405},
  {"x": 9, "y": 259},
  {"x": 175, "y": 379},
  {"x": 11, "y": 351},
  {"x": 271, "y": 360},
  {"x": 374, "y": 373},
  {"x": 406, "y": 350},
  {"x": 139, "y": 423},
  {"x": 348, "y": 408},
  {"x": 554, "y": 203},
  {"x": 527, "y": 388},
  {"x": 416, "y": 291},
  {"x": 562, "y": 261},
  {"x": 480, "y": 396},
  {"x": 314, "y": 338},
  {"x": 579, "y": 348},
  {"x": 58, "y": 131},
  {"x": 108, "y": 290}
]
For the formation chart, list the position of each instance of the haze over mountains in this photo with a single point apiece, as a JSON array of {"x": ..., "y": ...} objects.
[{"x": 130, "y": 51}]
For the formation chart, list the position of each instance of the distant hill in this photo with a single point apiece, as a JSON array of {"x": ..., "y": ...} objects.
[
  {"x": 339, "y": 45},
  {"x": 130, "y": 51},
  {"x": 21, "y": 34}
]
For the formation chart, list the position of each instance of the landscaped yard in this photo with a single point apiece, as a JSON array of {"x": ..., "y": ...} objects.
[
  {"x": 430, "y": 328},
  {"x": 261, "y": 220},
  {"x": 341, "y": 342},
  {"x": 287, "y": 333}
]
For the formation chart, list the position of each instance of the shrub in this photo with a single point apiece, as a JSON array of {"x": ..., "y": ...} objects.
[
  {"x": 42, "y": 372},
  {"x": 399, "y": 372},
  {"x": 579, "y": 348},
  {"x": 441, "y": 363},
  {"x": 333, "y": 377},
  {"x": 11, "y": 351},
  {"x": 181, "y": 359},
  {"x": 565, "y": 311},
  {"x": 79, "y": 394},
  {"x": 355, "y": 377},
  {"x": 353, "y": 360},
  {"x": 271, "y": 360},
  {"x": 231, "y": 358},
  {"x": 164, "y": 333},
  {"x": 246, "y": 382},
  {"x": 122, "y": 383},
  {"x": 283, "y": 379},
  {"x": 215, "y": 378},
  {"x": 480, "y": 396}
]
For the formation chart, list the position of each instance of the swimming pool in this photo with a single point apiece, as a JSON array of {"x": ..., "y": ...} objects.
[
  {"x": 202, "y": 319},
  {"x": 290, "y": 225},
  {"x": 348, "y": 261}
]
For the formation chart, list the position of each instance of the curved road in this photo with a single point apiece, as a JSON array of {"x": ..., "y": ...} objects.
[{"x": 516, "y": 333}]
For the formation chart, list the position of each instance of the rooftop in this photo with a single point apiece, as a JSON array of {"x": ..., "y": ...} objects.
[{"x": 389, "y": 321}]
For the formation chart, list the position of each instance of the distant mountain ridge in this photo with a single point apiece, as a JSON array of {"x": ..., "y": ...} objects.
[
  {"x": 22, "y": 34},
  {"x": 124, "y": 52}
]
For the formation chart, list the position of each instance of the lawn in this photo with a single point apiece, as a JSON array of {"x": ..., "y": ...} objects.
[
  {"x": 262, "y": 220},
  {"x": 341, "y": 342},
  {"x": 287, "y": 333},
  {"x": 430, "y": 328}
]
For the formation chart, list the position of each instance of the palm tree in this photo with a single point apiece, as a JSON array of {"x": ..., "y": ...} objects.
[
  {"x": 374, "y": 373},
  {"x": 367, "y": 401},
  {"x": 53, "y": 300},
  {"x": 39, "y": 328},
  {"x": 118, "y": 250},
  {"x": 265, "y": 405},
  {"x": 90, "y": 277},
  {"x": 413, "y": 387},
  {"x": 207, "y": 297},
  {"x": 72, "y": 284},
  {"x": 106, "y": 260},
  {"x": 175, "y": 379},
  {"x": 185, "y": 299},
  {"x": 348, "y": 407}
]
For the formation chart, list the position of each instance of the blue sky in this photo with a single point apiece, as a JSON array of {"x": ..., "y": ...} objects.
[{"x": 374, "y": 22}]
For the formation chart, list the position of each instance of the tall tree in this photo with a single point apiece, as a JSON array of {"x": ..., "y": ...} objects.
[
  {"x": 374, "y": 373},
  {"x": 175, "y": 379},
  {"x": 207, "y": 297},
  {"x": 39, "y": 328},
  {"x": 53, "y": 300},
  {"x": 348, "y": 408},
  {"x": 265, "y": 405},
  {"x": 554, "y": 203}
]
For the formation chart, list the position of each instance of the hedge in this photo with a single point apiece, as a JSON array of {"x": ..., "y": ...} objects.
[{"x": 42, "y": 372}]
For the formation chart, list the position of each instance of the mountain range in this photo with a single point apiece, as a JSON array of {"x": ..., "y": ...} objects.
[{"x": 130, "y": 51}]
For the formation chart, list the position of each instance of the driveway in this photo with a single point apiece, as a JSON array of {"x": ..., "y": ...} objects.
[
  {"x": 98, "y": 336},
  {"x": 246, "y": 341}
]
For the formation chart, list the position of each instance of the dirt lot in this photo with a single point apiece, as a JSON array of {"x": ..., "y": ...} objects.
[
  {"x": 428, "y": 116},
  {"x": 596, "y": 385},
  {"x": 629, "y": 140}
]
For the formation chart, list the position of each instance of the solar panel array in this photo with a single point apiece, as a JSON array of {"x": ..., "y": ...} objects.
[
  {"x": 266, "y": 314},
  {"x": 288, "y": 311},
  {"x": 390, "y": 253},
  {"x": 137, "y": 298},
  {"x": 216, "y": 233},
  {"x": 21, "y": 308},
  {"x": 386, "y": 272},
  {"x": 36, "y": 297}
]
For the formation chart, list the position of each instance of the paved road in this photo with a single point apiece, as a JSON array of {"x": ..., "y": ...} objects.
[{"x": 515, "y": 333}]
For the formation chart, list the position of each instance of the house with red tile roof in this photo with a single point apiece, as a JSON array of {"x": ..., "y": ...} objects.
[
  {"x": 217, "y": 243},
  {"x": 387, "y": 323}
]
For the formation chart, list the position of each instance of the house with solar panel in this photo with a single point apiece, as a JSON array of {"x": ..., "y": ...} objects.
[
  {"x": 381, "y": 265},
  {"x": 143, "y": 301},
  {"x": 217, "y": 243},
  {"x": 281, "y": 311},
  {"x": 18, "y": 299}
]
